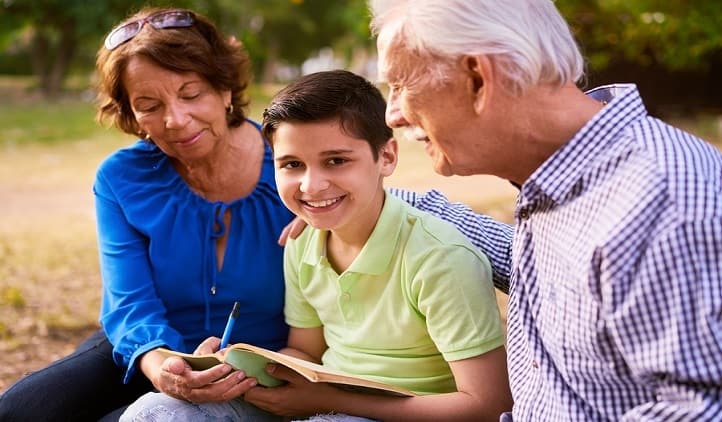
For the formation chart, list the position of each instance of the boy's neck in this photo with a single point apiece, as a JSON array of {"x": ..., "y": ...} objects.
[{"x": 343, "y": 246}]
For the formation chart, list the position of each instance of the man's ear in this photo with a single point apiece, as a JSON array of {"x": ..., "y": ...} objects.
[
  {"x": 481, "y": 75},
  {"x": 388, "y": 157}
]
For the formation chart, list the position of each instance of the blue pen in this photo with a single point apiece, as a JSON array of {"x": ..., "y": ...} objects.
[{"x": 229, "y": 325}]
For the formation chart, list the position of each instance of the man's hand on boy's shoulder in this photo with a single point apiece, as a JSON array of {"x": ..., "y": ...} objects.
[{"x": 292, "y": 230}]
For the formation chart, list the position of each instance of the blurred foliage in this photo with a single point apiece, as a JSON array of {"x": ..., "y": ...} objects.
[
  {"x": 292, "y": 30},
  {"x": 676, "y": 34},
  {"x": 12, "y": 296},
  {"x": 57, "y": 35}
]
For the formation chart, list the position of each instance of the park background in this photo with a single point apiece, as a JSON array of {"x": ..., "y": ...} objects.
[{"x": 50, "y": 144}]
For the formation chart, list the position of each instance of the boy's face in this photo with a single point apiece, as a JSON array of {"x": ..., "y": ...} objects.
[{"x": 329, "y": 178}]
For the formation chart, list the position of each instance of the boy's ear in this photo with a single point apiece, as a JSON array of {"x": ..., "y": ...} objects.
[{"x": 388, "y": 157}]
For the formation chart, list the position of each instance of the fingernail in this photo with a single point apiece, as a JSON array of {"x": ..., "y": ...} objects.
[{"x": 271, "y": 368}]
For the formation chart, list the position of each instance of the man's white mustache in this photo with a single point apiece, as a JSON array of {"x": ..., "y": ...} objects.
[{"x": 414, "y": 133}]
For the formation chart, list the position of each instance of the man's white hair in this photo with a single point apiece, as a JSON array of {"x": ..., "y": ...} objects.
[{"x": 528, "y": 40}]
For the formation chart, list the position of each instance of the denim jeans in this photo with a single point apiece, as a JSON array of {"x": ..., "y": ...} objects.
[
  {"x": 158, "y": 407},
  {"x": 83, "y": 386}
]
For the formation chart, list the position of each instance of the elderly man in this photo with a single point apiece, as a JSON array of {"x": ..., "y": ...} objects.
[{"x": 616, "y": 265}]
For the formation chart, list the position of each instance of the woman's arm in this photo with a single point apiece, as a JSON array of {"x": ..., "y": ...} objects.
[{"x": 131, "y": 314}]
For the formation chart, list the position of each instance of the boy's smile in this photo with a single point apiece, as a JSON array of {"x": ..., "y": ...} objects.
[
  {"x": 329, "y": 178},
  {"x": 323, "y": 203}
]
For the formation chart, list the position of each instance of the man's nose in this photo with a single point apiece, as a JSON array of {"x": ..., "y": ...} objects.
[{"x": 394, "y": 117}]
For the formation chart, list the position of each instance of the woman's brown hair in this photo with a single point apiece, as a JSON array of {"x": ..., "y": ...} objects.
[{"x": 200, "y": 48}]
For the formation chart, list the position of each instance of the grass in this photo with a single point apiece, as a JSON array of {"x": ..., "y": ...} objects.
[{"x": 49, "y": 277}]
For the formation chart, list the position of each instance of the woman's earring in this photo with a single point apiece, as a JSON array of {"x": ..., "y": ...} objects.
[
  {"x": 147, "y": 137},
  {"x": 229, "y": 109}
]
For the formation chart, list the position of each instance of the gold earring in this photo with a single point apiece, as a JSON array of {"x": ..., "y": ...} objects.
[
  {"x": 229, "y": 109},
  {"x": 147, "y": 137}
]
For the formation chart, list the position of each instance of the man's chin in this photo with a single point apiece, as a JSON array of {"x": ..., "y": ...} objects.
[{"x": 443, "y": 168}]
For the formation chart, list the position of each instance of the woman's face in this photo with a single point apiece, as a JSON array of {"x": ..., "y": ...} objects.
[{"x": 183, "y": 114}]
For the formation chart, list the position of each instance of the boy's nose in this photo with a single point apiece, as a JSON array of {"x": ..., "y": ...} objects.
[{"x": 312, "y": 183}]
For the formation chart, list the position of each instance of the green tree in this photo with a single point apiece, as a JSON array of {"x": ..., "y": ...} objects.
[
  {"x": 672, "y": 33},
  {"x": 58, "y": 30},
  {"x": 288, "y": 31},
  {"x": 274, "y": 31}
]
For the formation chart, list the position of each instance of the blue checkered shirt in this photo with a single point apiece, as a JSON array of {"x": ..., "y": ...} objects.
[{"x": 615, "y": 272}]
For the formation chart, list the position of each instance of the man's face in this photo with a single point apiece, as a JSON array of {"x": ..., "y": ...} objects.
[{"x": 441, "y": 115}]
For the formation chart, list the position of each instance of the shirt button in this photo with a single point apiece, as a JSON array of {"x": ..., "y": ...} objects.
[
  {"x": 523, "y": 214},
  {"x": 346, "y": 296},
  {"x": 535, "y": 364}
]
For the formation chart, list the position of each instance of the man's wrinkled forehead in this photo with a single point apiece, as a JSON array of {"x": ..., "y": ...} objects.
[{"x": 392, "y": 58}]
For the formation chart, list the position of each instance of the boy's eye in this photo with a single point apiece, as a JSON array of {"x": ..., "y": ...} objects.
[
  {"x": 336, "y": 161},
  {"x": 291, "y": 165}
]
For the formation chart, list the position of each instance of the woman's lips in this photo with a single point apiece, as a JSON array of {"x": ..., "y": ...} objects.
[{"x": 189, "y": 141}]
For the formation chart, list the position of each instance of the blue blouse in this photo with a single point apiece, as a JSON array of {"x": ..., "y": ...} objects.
[{"x": 161, "y": 283}]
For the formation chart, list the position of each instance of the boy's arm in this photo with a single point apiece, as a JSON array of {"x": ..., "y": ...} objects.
[
  {"x": 483, "y": 394},
  {"x": 306, "y": 343}
]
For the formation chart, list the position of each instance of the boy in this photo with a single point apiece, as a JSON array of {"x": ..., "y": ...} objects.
[{"x": 376, "y": 288}]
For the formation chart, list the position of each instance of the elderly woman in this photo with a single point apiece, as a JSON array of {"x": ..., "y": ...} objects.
[{"x": 187, "y": 222}]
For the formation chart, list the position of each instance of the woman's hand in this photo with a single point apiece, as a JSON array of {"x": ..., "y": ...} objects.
[
  {"x": 173, "y": 376},
  {"x": 208, "y": 346}
]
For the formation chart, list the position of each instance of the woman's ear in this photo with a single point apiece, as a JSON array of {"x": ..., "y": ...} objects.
[{"x": 388, "y": 157}]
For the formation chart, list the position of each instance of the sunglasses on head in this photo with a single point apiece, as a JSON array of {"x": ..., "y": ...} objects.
[{"x": 159, "y": 20}]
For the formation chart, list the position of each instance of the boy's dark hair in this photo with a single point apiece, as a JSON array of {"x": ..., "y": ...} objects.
[{"x": 337, "y": 94}]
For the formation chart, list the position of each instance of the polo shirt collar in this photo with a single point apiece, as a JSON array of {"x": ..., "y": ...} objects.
[{"x": 379, "y": 250}]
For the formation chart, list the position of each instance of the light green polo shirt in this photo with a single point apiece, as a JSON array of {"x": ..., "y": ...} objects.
[{"x": 418, "y": 295}]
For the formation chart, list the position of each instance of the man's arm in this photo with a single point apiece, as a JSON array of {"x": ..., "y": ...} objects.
[
  {"x": 668, "y": 324},
  {"x": 492, "y": 237}
]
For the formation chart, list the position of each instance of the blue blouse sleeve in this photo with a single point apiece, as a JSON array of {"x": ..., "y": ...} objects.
[{"x": 131, "y": 311}]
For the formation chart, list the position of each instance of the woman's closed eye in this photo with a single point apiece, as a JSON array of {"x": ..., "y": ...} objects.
[
  {"x": 190, "y": 96},
  {"x": 147, "y": 108}
]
